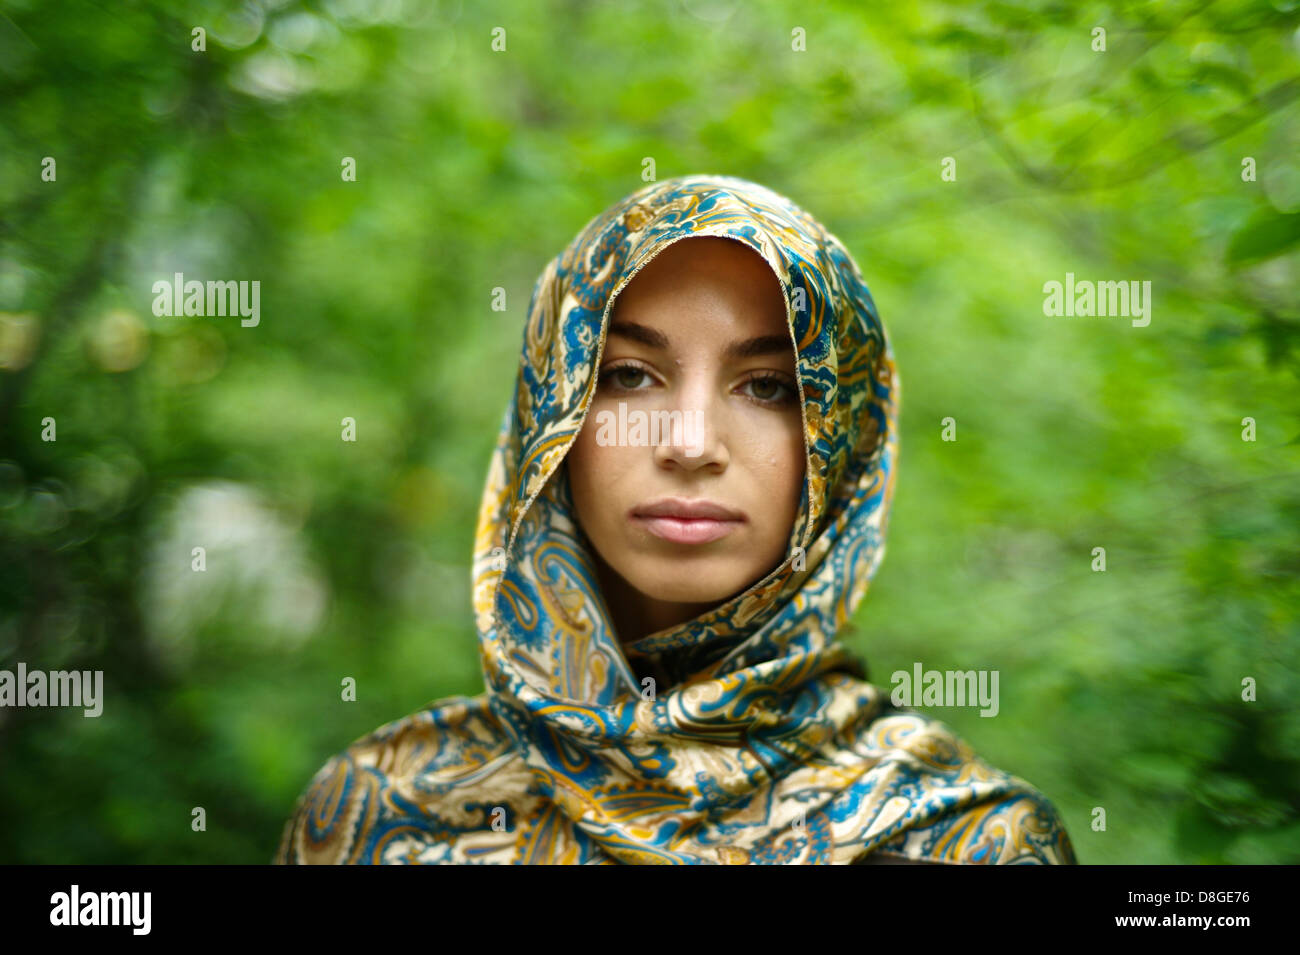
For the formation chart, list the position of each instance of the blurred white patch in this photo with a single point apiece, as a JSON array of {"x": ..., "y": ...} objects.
[
  {"x": 711, "y": 11},
  {"x": 298, "y": 32},
  {"x": 353, "y": 13},
  {"x": 257, "y": 586},
  {"x": 237, "y": 27},
  {"x": 271, "y": 75}
]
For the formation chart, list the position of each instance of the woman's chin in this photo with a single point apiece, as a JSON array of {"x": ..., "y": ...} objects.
[{"x": 690, "y": 589}]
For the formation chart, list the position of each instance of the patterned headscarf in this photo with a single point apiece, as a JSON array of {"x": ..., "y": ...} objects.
[{"x": 769, "y": 745}]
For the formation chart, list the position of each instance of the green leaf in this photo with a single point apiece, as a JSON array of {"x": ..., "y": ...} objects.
[{"x": 1263, "y": 237}]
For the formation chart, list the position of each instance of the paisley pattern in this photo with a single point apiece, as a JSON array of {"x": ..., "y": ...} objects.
[{"x": 768, "y": 746}]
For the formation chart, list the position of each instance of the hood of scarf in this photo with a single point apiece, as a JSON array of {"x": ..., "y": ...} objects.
[
  {"x": 769, "y": 745},
  {"x": 541, "y": 619}
]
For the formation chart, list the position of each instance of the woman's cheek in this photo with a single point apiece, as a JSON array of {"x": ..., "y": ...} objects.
[
  {"x": 594, "y": 477},
  {"x": 776, "y": 456},
  {"x": 579, "y": 465}
]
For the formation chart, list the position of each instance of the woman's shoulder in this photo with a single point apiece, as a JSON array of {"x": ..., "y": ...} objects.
[
  {"x": 389, "y": 782},
  {"x": 1020, "y": 829},
  {"x": 969, "y": 812}
]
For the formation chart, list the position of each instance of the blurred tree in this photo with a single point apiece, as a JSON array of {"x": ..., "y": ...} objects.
[{"x": 1166, "y": 155}]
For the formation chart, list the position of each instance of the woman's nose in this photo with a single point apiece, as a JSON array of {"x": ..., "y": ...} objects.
[{"x": 696, "y": 438}]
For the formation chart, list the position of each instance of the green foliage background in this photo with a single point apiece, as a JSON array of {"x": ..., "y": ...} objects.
[{"x": 1120, "y": 690}]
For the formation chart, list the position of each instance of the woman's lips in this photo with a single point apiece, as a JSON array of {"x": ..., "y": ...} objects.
[
  {"x": 686, "y": 521},
  {"x": 700, "y": 530}
]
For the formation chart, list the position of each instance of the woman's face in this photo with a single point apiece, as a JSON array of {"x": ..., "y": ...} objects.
[{"x": 683, "y": 524}]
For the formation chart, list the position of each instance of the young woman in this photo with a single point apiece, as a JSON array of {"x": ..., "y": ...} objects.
[{"x": 687, "y": 501}]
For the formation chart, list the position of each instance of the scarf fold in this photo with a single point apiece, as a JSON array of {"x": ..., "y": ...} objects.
[{"x": 768, "y": 745}]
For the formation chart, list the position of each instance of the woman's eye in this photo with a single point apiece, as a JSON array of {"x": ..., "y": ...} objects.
[
  {"x": 770, "y": 389},
  {"x": 629, "y": 377}
]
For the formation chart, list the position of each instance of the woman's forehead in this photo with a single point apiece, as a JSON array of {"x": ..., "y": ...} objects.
[{"x": 704, "y": 275}]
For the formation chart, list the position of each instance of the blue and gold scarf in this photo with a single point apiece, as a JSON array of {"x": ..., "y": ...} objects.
[{"x": 768, "y": 745}]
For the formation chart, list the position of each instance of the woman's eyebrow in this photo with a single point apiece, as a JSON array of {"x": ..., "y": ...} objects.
[
  {"x": 747, "y": 348},
  {"x": 639, "y": 333},
  {"x": 762, "y": 345}
]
